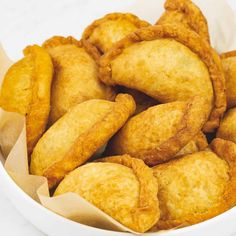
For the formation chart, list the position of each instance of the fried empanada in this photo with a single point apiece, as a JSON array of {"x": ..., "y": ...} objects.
[
  {"x": 26, "y": 90},
  {"x": 168, "y": 63},
  {"x": 159, "y": 133},
  {"x": 123, "y": 187},
  {"x": 185, "y": 12},
  {"x": 76, "y": 136},
  {"x": 227, "y": 129},
  {"x": 104, "y": 32},
  {"x": 229, "y": 66},
  {"x": 199, "y": 143},
  {"x": 75, "y": 78},
  {"x": 197, "y": 187}
]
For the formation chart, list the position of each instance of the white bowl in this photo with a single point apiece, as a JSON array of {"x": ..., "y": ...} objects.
[
  {"x": 45, "y": 220},
  {"x": 56, "y": 225}
]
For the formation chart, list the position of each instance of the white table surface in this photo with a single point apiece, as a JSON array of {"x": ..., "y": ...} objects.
[{"x": 11, "y": 12}]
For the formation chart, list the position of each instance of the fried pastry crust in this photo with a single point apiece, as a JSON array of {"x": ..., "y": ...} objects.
[
  {"x": 199, "y": 143},
  {"x": 143, "y": 102},
  {"x": 197, "y": 187},
  {"x": 229, "y": 66},
  {"x": 159, "y": 133},
  {"x": 26, "y": 90},
  {"x": 76, "y": 136},
  {"x": 104, "y": 32},
  {"x": 121, "y": 186},
  {"x": 185, "y": 12},
  {"x": 168, "y": 63},
  {"x": 227, "y": 129},
  {"x": 75, "y": 78}
]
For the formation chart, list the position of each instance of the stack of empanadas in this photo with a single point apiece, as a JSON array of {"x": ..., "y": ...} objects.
[{"x": 154, "y": 95}]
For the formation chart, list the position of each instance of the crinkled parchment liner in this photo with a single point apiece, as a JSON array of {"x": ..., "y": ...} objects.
[{"x": 13, "y": 131}]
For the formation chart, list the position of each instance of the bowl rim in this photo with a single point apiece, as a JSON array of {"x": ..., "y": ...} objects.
[{"x": 6, "y": 177}]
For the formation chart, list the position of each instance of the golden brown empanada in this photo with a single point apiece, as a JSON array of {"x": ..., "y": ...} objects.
[
  {"x": 104, "y": 32},
  {"x": 26, "y": 90},
  {"x": 197, "y": 187},
  {"x": 168, "y": 63},
  {"x": 229, "y": 66},
  {"x": 123, "y": 187},
  {"x": 76, "y": 136},
  {"x": 227, "y": 129},
  {"x": 159, "y": 133},
  {"x": 75, "y": 78},
  {"x": 185, "y": 12}
]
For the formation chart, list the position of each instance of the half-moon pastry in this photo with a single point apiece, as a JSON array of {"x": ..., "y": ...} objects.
[
  {"x": 227, "y": 129},
  {"x": 123, "y": 187},
  {"x": 111, "y": 28},
  {"x": 77, "y": 135},
  {"x": 199, "y": 143},
  {"x": 26, "y": 90},
  {"x": 197, "y": 187},
  {"x": 159, "y": 133},
  {"x": 229, "y": 66},
  {"x": 185, "y": 12},
  {"x": 168, "y": 63},
  {"x": 75, "y": 78}
]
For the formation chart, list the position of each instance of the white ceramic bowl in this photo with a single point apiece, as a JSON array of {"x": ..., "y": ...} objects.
[
  {"x": 55, "y": 225},
  {"x": 14, "y": 38}
]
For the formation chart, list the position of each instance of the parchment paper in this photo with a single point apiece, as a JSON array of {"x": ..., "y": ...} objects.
[{"x": 222, "y": 23}]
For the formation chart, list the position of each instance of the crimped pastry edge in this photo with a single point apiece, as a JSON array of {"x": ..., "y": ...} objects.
[
  {"x": 148, "y": 185},
  {"x": 56, "y": 41},
  {"x": 186, "y": 130},
  {"x": 228, "y": 54},
  {"x": 200, "y": 141},
  {"x": 192, "y": 14},
  {"x": 39, "y": 106},
  {"x": 114, "y": 16}
]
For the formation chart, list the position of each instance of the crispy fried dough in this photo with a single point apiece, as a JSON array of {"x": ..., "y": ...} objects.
[
  {"x": 227, "y": 129},
  {"x": 199, "y": 143},
  {"x": 26, "y": 90},
  {"x": 143, "y": 102},
  {"x": 197, "y": 187},
  {"x": 185, "y": 12},
  {"x": 104, "y": 32},
  {"x": 76, "y": 136},
  {"x": 168, "y": 63},
  {"x": 229, "y": 66},
  {"x": 75, "y": 78},
  {"x": 159, "y": 133},
  {"x": 121, "y": 186}
]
